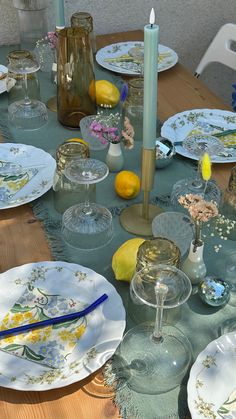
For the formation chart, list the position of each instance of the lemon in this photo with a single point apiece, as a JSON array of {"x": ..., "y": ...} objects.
[
  {"x": 124, "y": 259},
  {"x": 106, "y": 93},
  {"x": 127, "y": 184}
]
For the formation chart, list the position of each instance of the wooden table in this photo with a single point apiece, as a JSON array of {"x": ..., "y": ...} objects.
[{"x": 22, "y": 241}]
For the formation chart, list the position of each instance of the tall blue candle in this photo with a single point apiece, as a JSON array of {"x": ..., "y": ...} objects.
[
  {"x": 151, "y": 35},
  {"x": 60, "y": 13}
]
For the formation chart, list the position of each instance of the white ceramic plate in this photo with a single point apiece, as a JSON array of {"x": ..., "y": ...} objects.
[
  {"x": 31, "y": 157},
  {"x": 103, "y": 333},
  {"x": 201, "y": 121},
  {"x": 174, "y": 226},
  {"x": 3, "y": 86},
  {"x": 111, "y": 57},
  {"x": 212, "y": 379}
]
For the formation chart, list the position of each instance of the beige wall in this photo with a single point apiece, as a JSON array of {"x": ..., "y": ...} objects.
[{"x": 187, "y": 26}]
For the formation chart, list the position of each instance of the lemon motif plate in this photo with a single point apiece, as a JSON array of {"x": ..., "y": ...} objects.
[
  {"x": 212, "y": 380},
  {"x": 127, "y": 57},
  {"x": 42, "y": 359},
  {"x": 202, "y": 121},
  {"x": 3, "y": 85},
  {"x": 26, "y": 173}
]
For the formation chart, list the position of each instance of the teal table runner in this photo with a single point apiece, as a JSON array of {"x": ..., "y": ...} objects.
[{"x": 199, "y": 322}]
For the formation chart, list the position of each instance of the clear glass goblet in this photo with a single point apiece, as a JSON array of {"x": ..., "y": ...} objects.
[
  {"x": 155, "y": 357},
  {"x": 87, "y": 225},
  {"x": 27, "y": 114}
]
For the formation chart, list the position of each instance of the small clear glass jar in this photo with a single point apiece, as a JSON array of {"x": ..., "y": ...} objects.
[
  {"x": 154, "y": 252},
  {"x": 67, "y": 193},
  {"x": 133, "y": 106},
  {"x": 16, "y": 81},
  {"x": 157, "y": 251},
  {"x": 85, "y": 20}
]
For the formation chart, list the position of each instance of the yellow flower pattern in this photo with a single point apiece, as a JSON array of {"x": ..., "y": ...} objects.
[{"x": 47, "y": 345}]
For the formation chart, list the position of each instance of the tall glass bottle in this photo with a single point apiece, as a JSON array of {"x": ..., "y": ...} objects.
[
  {"x": 75, "y": 77},
  {"x": 84, "y": 20}
]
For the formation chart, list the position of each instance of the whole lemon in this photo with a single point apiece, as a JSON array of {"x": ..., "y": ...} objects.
[
  {"x": 124, "y": 259},
  {"x": 106, "y": 93},
  {"x": 127, "y": 184}
]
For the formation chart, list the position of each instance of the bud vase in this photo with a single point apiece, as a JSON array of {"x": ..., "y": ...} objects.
[
  {"x": 115, "y": 158},
  {"x": 194, "y": 266}
]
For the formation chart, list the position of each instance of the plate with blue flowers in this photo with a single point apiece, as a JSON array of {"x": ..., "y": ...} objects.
[
  {"x": 127, "y": 57},
  {"x": 60, "y": 354}
]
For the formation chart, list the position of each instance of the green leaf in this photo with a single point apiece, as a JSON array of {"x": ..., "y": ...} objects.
[
  {"x": 66, "y": 324},
  {"x": 41, "y": 314},
  {"x": 12, "y": 347},
  {"x": 30, "y": 354},
  {"x": 18, "y": 308}
]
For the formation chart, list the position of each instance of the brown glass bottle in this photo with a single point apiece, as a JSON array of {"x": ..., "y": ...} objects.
[
  {"x": 75, "y": 77},
  {"x": 84, "y": 20}
]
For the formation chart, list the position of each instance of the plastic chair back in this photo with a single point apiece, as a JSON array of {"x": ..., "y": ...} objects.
[{"x": 220, "y": 49}]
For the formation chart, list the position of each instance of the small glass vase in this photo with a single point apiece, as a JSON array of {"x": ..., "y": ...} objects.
[
  {"x": 194, "y": 266},
  {"x": 115, "y": 157}
]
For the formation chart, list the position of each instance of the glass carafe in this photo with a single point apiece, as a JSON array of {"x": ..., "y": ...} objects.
[
  {"x": 76, "y": 80},
  {"x": 16, "y": 80},
  {"x": 133, "y": 106},
  {"x": 32, "y": 21},
  {"x": 84, "y": 20}
]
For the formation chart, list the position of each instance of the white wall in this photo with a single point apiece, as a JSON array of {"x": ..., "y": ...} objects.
[{"x": 187, "y": 26}]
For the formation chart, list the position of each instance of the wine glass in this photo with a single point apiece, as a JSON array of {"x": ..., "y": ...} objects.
[
  {"x": 155, "y": 357},
  {"x": 28, "y": 114},
  {"x": 87, "y": 225},
  {"x": 195, "y": 185}
]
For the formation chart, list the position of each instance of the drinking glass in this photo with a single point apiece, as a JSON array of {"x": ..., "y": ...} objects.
[
  {"x": 154, "y": 356},
  {"x": 27, "y": 113},
  {"x": 87, "y": 225}
]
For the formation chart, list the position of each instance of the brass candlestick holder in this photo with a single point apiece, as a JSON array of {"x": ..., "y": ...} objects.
[{"x": 137, "y": 218}]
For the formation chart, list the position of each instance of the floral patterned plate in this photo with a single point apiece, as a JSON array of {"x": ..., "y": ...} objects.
[
  {"x": 3, "y": 85},
  {"x": 63, "y": 284},
  {"x": 19, "y": 159},
  {"x": 127, "y": 57},
  {"x": 202, "y": 121},
  {"x": 212, "y": 380}
]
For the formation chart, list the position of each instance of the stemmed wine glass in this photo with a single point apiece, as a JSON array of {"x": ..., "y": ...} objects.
[
  {"x": 87, "y": 225},
  {"x": 28, "y": 114},
  {"x": 155, "y": 357},
  {"x": 197, "y": 186}
]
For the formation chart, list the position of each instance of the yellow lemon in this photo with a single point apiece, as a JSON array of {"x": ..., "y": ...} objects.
[
  {"x": 127, "y": 184},
  {"x": 106, "y": 93},
  {"x": 124, "y": 259}
]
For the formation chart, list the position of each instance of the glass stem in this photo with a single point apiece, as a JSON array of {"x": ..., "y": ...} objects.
[
  {"x": 87, "y": 208},
  {"x": 27, "y": 99},
  {"x": 161, "y": 292}
]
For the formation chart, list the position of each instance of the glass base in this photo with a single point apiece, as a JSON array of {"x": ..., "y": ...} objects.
[
  {"x": 195, "y": 186},
  {"x": 87, "y": 227},
  {"x": 28, "y": 116},
  {"x": 154, "y": 366}
]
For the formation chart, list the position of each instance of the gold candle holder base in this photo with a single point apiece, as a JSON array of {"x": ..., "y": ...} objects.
[
  {"x": 132, "y": 219},
  {"x": 52, "y": 104},
  {"x": 137, "y": 218}
]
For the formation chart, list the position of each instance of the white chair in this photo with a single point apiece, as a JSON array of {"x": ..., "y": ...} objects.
[{"x": 220, "y": 49}]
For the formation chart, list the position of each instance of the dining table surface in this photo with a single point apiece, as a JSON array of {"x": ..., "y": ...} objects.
[{"x": 22, "y": 240}]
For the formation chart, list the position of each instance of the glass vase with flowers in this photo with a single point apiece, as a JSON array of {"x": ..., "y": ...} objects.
[
  {"x": 108, "y": 130},
  {"x": 201, "y": 211}
]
